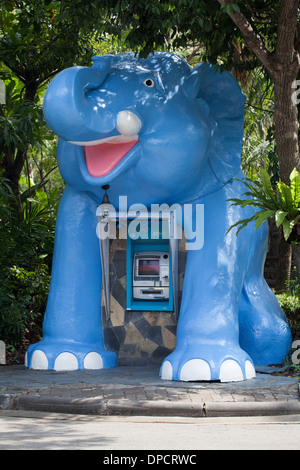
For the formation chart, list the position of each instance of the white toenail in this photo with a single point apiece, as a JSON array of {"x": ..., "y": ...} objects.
[
  {"x": 66, "y": 361},
  {"x": 195, "y": 369},
  {"x": 167, "y": 371},
  {"x": 93, "y": 360},
  {"x": 230, "y": 371},
  {"x": 250, "y": 371},
  {"x": 39, "y": 360}
]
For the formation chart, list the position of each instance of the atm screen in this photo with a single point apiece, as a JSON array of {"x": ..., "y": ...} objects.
[{"x": 148, "y": 267}]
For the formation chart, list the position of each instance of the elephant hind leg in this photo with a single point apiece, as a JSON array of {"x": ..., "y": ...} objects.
[{"x": 264, "y": 330}]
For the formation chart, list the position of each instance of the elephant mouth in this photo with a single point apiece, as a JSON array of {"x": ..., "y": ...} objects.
[{"x": 102, "y": 156}]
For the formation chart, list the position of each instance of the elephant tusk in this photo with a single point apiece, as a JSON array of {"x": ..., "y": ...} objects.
[{"x": 128, "y": 123}]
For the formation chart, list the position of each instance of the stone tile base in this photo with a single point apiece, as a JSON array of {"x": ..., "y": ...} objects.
[
  {"x": 138, "y": 337},
  {"x": 144, "y": 337}
]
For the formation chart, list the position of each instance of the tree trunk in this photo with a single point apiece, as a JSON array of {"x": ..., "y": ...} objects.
[
  {"x": 284, "y": 70},
  {"x": 284, "y": 264},
  {"x": 12, "y": 172},
  {"x": 286, "y": 131},
  {"x": 296, "y": 256},
  {"x": 286, "y": 123},
  {"x": 283, "y": 64}
]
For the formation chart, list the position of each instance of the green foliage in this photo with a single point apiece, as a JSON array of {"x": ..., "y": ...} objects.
[
  {"x": 230, "y": 8},
  {"x": 26, "y": 249},
  {"x": 157, "y": 24},
  {"x": 21, "y": 307},
  {"x": 289, "y": 301},
  {"x": 38, "y": 38},
  {"x": 21, "y": 122},
  {"x": 281, "y": 204},
  {"x": 259, "y": 147},
  {"x": 290, "y": 304}
]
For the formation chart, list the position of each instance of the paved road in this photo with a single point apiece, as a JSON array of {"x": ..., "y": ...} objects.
[{"x": 24, "y": 430}]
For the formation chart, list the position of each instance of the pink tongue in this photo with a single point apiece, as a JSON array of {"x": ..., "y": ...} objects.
[{"x": 102, "y": 159}]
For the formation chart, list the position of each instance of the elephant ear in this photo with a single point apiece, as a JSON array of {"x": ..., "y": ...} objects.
[{"x": 224, "y": 101}]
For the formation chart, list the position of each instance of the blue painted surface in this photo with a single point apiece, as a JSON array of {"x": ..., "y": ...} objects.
[{"x": 188, "y": 151}]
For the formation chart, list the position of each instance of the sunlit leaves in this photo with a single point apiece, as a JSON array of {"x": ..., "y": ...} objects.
[{"x": 281, "y": 204}]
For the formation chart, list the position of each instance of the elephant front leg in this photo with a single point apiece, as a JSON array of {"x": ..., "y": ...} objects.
[
  {"x": 208, "y": 329},
  {"x": 207, "y": 333},
  {"x": 72, "y": 330}
]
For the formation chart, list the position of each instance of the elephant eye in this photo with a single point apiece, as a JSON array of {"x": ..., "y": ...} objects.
[{"x": 149, "y": 82}]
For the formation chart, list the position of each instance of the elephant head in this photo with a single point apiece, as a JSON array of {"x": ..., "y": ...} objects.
[{"x": 131, "y": 122}]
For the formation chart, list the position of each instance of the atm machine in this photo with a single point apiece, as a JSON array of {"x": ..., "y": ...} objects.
[{"x": 151, "y": 275}]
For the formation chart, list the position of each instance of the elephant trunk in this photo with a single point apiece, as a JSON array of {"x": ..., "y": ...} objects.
[{"x": 69, "y": 108}]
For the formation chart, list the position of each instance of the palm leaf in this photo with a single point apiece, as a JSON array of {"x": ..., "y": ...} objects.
[
  {"x": 285, "y": 195},
  {"x": 287, "y": 226},
  {"x": 242, "y": 223},
  {"x": 262, "y": 216},
  {"x": 267, "y": 185},
  {"x": 279, "y": 217},
  {"x": 295, "y": 187}
]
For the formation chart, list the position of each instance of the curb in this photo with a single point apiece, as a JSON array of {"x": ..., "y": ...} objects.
[
  {"x": 252, "y": 409},
  {"x": 96, "y": 406},
  {"x": 196, "y": 410}
]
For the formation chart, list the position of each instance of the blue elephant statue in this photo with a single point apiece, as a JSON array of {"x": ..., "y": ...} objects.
[{"x": 158, "y": 131}]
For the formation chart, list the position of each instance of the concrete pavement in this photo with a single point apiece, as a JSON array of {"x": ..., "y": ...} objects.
[{"x": 138, "y": 391}]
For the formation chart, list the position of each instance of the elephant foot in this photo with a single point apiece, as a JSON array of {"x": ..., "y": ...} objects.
[
  {"x": 208, "y": 364},
  {"x": 66, "y": 357}
]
